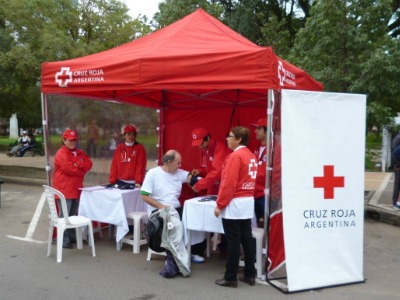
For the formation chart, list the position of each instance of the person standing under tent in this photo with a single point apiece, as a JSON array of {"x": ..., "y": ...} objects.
[
  {"x": 235, "y": 205},
  {"x": 261, "y": 155},
  {"x": 70, "y": 167},
  {"x": 213, "y": 155},
  {"x": 129, "y": 161}
]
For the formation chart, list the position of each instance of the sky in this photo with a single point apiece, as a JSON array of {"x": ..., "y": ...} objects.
[{"x": 143, "y": 7}]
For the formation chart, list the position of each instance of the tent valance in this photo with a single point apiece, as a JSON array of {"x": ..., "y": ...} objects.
[{"x": 196, "y": 57}]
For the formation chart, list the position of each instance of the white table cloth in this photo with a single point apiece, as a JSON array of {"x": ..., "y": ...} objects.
[
  {"x": 198, "y": 217},
  {"x": 111, "y": 206}
]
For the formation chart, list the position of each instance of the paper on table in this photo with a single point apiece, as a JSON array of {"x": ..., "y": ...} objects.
[{"x": 92, "y": 188}]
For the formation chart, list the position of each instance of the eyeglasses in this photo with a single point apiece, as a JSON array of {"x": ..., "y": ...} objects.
[{"x": 229, "y": 136}]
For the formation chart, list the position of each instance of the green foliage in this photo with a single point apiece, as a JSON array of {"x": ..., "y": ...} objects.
[
  {"x": 379, "y": 116},
  {"x": 35, "y": 31},
  {"x": 171, "y": 11},
  {"x": 373, "y": 147},
  {"x": 5, "y": 143},
  {"x": 345, "y": 45}
]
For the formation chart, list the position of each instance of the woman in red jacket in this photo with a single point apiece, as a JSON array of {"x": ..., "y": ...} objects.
[
  {"x": 235, "y": 204},
  {"x": 70, "y": 167},
  {"x": 129, "y": 160}
]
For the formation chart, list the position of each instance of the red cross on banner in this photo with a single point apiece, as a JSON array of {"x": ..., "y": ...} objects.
[{"x": 329, "y": 182}]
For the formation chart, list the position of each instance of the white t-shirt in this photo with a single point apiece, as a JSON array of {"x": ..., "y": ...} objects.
[{"x": 164, "y": 187}]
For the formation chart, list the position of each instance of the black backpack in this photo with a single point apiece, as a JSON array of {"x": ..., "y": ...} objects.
[{"x": 154, "y": 232}]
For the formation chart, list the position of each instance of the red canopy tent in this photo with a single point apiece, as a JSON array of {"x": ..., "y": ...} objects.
[{"x": 197, "y": 71}]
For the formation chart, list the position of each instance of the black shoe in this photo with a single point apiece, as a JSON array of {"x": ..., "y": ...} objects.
[
  {"x": 67, "y": 246},
  {"x": 250, "y": 280},
  {"x": 223, "y": 282}
]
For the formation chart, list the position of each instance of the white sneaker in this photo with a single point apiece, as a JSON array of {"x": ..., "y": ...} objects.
[
  {"x": 396, "y": 206},
  {"x": 197, "y": 259}
]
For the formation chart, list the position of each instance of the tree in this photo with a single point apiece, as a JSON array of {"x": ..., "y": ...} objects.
[
  {"x": 35, "y": 31},
  {"x": 346, "y": 45},
  {"x": 171, "y": 11}
]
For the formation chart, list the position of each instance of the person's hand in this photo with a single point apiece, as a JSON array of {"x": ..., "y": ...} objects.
[
  {"x": 194, "y": 189},
  {"x": 195, "y": 172},
  {"x": 138, "y": 185},
  {"x": 193, "y": 180},
  {"x": 217, "y": 212}
]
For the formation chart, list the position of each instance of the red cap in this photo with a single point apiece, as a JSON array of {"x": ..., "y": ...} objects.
[
  {"x": 198, "y": 136},
  {"x": 70, "y": 135},
  {"x": 261, "y": 123},
  {"x": 130, "y": 128}
]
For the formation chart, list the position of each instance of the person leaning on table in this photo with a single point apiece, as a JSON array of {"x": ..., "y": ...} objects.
[
  {"x": 70, "y": 167},
  {"x": 213, "y": 155},
  {"x": 235, "y": 204}
]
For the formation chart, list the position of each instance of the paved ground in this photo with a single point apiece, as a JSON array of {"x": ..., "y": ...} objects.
[{"x": 26, "y": 272}]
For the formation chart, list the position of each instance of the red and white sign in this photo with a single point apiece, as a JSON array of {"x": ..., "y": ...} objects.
[{"x": 323, "y": 140}]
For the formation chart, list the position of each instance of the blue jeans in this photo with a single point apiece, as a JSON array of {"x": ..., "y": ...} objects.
[{"x": 238, "y": 232}]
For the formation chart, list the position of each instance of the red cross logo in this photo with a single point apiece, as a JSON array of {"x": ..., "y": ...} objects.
[
  {"x": 329, "y": 182},
  {"x": 253, "y": 168},
  {"x": 64, "y": 77},
  {"x": 281, "y": 73}
]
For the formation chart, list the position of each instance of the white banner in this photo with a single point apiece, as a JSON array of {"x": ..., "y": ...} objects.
[{"x": 323, "y": 147}]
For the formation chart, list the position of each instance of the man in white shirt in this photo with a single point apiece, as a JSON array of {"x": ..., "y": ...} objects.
[{"x": 162, "y": 187}]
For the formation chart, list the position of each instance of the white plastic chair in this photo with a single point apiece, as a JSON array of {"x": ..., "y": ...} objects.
[
  {"x": 151, "y": 252},
  {"x": 214, "y": 240},
  {"x": 66, "y": 222},
  {"x": 138, "y": 239}
]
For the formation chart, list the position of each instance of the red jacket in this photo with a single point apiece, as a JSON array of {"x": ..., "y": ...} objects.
[
  {"x": 261, "y": 173},
  {"x": 68, "y": 178},
  {"x": 238, "y": 177},
  {"x": 129, "y": 163},
  {"x": 212, "y": 160}
]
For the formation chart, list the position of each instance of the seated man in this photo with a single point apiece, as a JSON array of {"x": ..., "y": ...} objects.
[
  {"x": 31, "y": 144},
  {"x": 22, "y": 141},
  {"x": 162, "y": 187}
]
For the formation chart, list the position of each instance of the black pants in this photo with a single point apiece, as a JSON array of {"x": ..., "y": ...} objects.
[
  {"x": 396, "y": 185},
  {"x": 238, "y": 232}
]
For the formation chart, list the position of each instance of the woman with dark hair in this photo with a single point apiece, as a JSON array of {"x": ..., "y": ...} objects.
[{"x": 235, "y": 204}]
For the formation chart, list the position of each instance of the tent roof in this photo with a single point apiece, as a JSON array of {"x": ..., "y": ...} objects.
[{"x": 197, "y": 57}]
